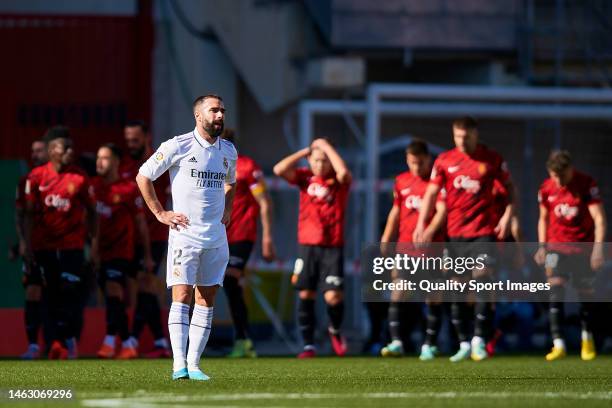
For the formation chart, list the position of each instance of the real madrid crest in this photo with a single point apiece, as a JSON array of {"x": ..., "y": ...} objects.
[
  {"x": 159, "y": 156},
  {"x": 225, "y": 163}
]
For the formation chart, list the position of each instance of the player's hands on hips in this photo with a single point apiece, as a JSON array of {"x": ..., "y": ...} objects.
[
  {"x": 173, "y": 219},
  {"x": 597, "y": 257},
  {"x": 268, "y": 252},
  {"x": 540, "y": 256}
]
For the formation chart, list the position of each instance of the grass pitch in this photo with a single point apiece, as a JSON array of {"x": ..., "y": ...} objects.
[{"x": 322, "y": 382}]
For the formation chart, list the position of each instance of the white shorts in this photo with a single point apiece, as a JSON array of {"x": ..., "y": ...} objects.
[{"x": 188, "y": 265}]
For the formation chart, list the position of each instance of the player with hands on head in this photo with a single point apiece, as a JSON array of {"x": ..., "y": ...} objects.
[{"x": 324, "y": 188}]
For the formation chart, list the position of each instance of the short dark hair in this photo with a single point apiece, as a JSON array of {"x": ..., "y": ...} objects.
[
  {"x": 56, "y": 132},
  {"x": 229, "y": 135},
  {"x": 466, "y": 123},
  {"x": 200, "y": 99},
  {"x": 115, "y": 150},
  {"x": 137, "y": 123},
  {"x": 559, "y": 161},
  {"x": 418, "y": 147}
]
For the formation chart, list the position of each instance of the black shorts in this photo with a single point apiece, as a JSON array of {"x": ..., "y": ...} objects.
[
  {"x": 239, "y": 254},
  {"x": 60, "y": 266},
  {"x": 115, "y": 270},
  {"x": 158, "y": 252},
  {"x": 32, "y": 274},
  {"x": 430, "y": 272},
  {"x": 475, "y": 247},
  {"x": 318, "y": 266},
  {"x": 573, "y": 267}
]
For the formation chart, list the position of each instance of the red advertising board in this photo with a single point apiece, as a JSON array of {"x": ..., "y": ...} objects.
[{"x": 90, "y": 73}]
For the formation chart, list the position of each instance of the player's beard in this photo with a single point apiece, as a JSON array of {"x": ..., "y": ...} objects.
[
  {"x": 211, "y": 130},
  {"x": 137, "y": 154}
]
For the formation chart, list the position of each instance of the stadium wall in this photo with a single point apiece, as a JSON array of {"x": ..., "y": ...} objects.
[{"x": 87, "y": 72}]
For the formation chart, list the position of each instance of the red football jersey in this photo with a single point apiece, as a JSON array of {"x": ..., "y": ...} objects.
[
  {"x": 408, "y": 195},
  {"x": 322, "y": 207},
  {"x": 20, "y": 201},
  {"x": 129, "y": 170},
  {"x": 468, "y": 180},
  {"x": 569, "y": 219},
  {"x": 245, "y": 209},
  {"x": 117, "y": 205},
  {"x": 62, "y": 199}
]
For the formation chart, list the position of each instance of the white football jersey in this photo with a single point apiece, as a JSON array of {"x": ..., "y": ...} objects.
[{"x": 198, "y": 174}]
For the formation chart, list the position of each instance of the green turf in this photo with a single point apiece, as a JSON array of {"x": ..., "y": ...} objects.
[{"x": 326, "y": 382}]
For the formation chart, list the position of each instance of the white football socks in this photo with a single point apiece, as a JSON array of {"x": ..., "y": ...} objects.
[
  {"x": 477, "y": 341},
  {"x": 178, "y": 327},
  {"x": 559, "y": 343},
  {"x": 199, "y": 331}
]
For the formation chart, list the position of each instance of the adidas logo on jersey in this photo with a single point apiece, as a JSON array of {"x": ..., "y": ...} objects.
[{"x": 192, "y": 160}]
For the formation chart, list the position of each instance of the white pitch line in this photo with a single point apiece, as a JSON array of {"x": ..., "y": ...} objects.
[
  {"x": 142, "y": 400},
  {"x": 114, "y": 403}
]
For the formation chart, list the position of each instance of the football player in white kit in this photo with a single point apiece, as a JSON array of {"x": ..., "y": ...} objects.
[{"x": 202, "y": 169}]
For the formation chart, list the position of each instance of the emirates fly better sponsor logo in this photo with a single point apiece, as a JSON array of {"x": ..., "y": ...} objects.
[{"x": 208, "y": 179}]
